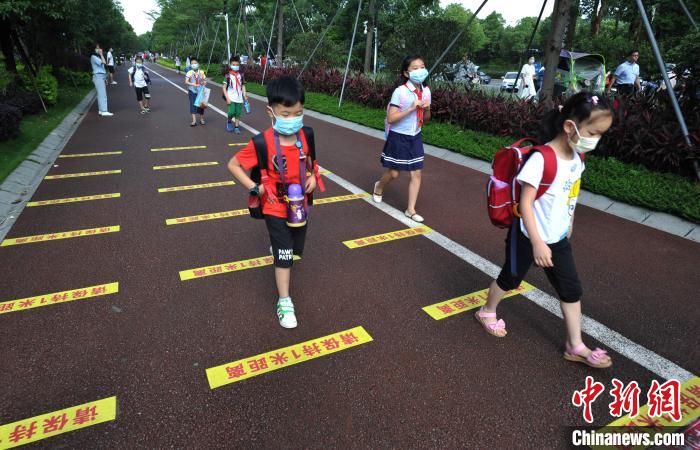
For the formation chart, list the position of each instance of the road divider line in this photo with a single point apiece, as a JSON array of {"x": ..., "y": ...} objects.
[
  {"x": 24, "y": 304},
  {"x": 463, "y": 303},
  {"x": 169, "y": 149},
  {"x": 82, "y": 155},
  {"x": 196, "y": 186},
  {"x": 59, "y": 235},
  {"x": 60, "y": 201},
  {"x": 641, "y": 355},
  {"x": 244, "y": 212},
  {"x": 180, "y": 166},
  {"x": 284, "y": 357},
  {"x": 387, "y": 237},
  {"x": 234, "y": 266},
  {"x": 82, "y": 174},
  {"x": 238, "y": 144},
  {"x": 57, "y": 422}
]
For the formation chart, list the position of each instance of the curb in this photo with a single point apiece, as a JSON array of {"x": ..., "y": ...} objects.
[
  {"x": 19, "y": 187},
  {"x": 653, "y": 219}
]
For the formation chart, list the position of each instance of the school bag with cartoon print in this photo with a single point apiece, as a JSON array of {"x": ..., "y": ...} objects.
[{"x": 503, "y": 190}]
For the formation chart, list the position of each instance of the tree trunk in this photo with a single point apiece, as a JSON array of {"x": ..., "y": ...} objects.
[
  {"x": 280, "y": 32},
  {"x": 598, "y": 18},
  {"x": 369, "y": 43},
  {"x": 554, "y": 42},
  {"x": 594, "y": 13},
  {"x": 6, "y": 44},
  {"x": 251, "y": 57},
  {"x": 571, "y": 28}
]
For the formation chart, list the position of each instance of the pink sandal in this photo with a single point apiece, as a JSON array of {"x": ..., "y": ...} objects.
[
  {"x": 594, "y": 359},
  {"x": 493, "y": 327}
]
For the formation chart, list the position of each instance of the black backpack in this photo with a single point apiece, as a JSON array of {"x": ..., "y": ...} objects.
[
  {"x": 145, "y": 74},
  {"x": 254, "y": 201}
]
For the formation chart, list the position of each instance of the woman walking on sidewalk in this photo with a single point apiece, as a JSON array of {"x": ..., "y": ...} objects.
[
  {"x": 99, "y": 79},
  {"x": 403, "y": 150}
]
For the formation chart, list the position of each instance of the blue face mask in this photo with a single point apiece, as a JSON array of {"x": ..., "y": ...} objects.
[
  {"x": 195, "y": 66},
  {"x": 288, "y": 125},
  {"x": 235, "y": 68},
  {"x": 138, "y": 66},
  {"x": 418, "y": 76}
]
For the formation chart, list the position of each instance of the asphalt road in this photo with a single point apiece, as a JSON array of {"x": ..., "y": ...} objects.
[{"x": 419, "y": 383}]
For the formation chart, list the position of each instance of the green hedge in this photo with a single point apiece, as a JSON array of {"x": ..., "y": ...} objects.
[
  {"x": 629, "y": 183},
  {"x": 46, "y": 82}
]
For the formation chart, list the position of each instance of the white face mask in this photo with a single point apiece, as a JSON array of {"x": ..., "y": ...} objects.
[{"x": 584, "y": 144}]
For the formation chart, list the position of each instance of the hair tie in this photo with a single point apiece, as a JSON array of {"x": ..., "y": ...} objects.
[
  {"x": 560, "y": 108},
  {"x": 593, "y": 99}
]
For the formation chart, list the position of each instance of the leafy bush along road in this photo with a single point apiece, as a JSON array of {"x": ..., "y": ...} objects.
[{"x": 629, "y": 183}]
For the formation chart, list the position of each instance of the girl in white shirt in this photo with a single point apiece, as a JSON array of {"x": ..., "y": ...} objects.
[
  {"x": 542, "y": 235},
  {"x": 403, "y": 151}
]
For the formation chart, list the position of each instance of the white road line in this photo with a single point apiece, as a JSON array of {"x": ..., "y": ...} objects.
[{"x": 611, "y": 338}]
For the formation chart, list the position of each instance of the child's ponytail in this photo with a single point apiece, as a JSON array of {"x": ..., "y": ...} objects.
[{"x": 577, "y": 108}]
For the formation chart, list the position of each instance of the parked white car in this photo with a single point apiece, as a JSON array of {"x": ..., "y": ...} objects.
[{"x": 509, "y": 81}]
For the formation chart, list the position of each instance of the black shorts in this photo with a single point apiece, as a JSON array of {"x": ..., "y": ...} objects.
[
  {"x": 142, "y": 92},
  {"x": 563, "y": 275},
  {"x": 286, "y": 241},
  {"x": 111, "y": 69}
]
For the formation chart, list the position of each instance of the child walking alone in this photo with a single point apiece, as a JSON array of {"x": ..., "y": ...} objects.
[
  {"x": 403, "y": 150},
  {"x": 234, "y": 93},
  {"x": 542, "y": 234},
  {"x": 195, "y": 79}
]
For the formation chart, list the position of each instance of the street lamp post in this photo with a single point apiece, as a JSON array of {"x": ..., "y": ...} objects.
[
  {"x": 375, "y": 50},
  {"x": 228, "y": 36}
]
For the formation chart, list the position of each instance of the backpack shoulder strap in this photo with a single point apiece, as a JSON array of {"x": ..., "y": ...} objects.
[
  {"x": 310, "y": 141},
  {"x": 550, "y": 168},
  {"x": 260, "y": 150}
]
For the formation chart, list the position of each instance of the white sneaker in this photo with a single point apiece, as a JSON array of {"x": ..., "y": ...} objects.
[
  {"x": 113, "y": 82},
  {"x": 285, "y": 312},
  {"x": 375, "y": 197},
  {"x": 106, "y": 113}
]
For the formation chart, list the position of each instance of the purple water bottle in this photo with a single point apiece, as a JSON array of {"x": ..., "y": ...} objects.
[
  {"x": 296, "y": 211},
  {"x": 246, "y": 105}
]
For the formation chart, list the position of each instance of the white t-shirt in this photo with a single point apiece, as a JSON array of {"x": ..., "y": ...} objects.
[
  {"x": 553, "y": 211},
  {"x": 403, "y": 97},
  {"x": 235, "y": 89},
  {"x": 110, "y": 59},
  {"x": 139, "y": 79}
]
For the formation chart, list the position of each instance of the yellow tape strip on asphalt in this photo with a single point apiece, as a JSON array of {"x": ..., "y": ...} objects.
[
  {"x": 168, "y": 149},
  {"x": 58, "y": 297},
  {"x": 59, "y": 235},
  {"x": 57, "y": 422},
  {"x": 466, "y": 302},
  {"x": 244, "y": 212},
  {"x": 284, "y": 357},
  {"x": 180, "y": 166},
  {"x": 80, "y": 155},
  {"x": 196, "y": 186},
  {"x": 325, "y": 172},
  {"x": 644, "y": 423},
  {"x": 235, "y": 266},
  {"x": 238, "y": 144},
  {"x": 83, "y": 174},
  {"x": 386, "y": 237},
  {"x": 340, "y": 198},
  {"x": 59, "y": 201},
  {"x": 210, "y": 216}
]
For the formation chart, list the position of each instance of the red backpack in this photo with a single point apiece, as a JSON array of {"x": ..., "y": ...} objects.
[{"x": 503, "y": 190}]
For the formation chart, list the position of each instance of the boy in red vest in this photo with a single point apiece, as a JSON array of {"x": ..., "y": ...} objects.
[{"x": 290, "y": 160}]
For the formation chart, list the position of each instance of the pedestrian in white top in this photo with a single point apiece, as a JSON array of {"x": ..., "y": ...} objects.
[
  {"x": 403, "y": 150},
  {"x": 527, "y": 73},
  {"x": 139, "y": 78},
  {"x": 541, "y": 236},
  {"x": 110, "y": 65}
]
